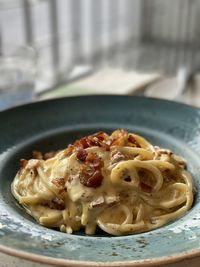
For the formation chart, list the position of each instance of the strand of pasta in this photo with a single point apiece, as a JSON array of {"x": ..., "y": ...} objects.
[{"x": 131, "y": 166}]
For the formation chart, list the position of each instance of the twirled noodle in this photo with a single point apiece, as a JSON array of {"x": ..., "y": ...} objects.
[{"x": 120, "y": 183}]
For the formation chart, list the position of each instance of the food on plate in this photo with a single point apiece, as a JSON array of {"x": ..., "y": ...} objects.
[{"x": 120, "y": 183}]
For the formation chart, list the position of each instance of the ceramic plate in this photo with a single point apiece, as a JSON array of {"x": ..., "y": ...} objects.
[{"x": 52, "y": 125}]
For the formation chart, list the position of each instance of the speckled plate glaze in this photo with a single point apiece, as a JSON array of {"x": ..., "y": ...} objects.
[{"x": 53, "y": 124}]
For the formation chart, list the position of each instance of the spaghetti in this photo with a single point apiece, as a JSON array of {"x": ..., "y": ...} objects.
[{"x": 119, "y": 182}]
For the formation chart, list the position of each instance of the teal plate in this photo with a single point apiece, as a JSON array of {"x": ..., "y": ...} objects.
[{"x": 53, "y": 124}]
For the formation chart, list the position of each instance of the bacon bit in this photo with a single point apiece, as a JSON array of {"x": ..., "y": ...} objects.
[
  {"x": 107, "y": 147},
  {"x": 91, "y": 177},
  {"x": 100, "y": 139},
  {"x": 97, "y": 163},
  {"x": 145, "y": 187},
  {"x": 37, "y": 154},
  {"x": 97, "y": 139},
  {"x": 57, "y": 203},
  {"x": 91, "y": 140},
  {"x": 23, "y": 163},
  {"x": 82, "y": 143},
  {"x": 90, "y": 157},
  {"x": 81, "y": 154},
  {"x": 61, "y": 192},
  {"x": 101, "y": 136},
  {"x": 59, "y": 182},
  {"x": 94, "y": 161},
  {"x": 50, "y": 154},
  {"x": 133, "y": 141}
]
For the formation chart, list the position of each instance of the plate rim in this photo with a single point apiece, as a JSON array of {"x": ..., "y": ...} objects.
[
  {"x": 36, "y": 102},
  {"x": 75, "y": 263}
]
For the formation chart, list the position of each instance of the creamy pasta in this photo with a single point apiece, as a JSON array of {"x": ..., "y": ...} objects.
[{"x": 120, "y": 183}]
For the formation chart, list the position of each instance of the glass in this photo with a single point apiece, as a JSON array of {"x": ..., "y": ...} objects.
[{"x": 17, "y": 75}]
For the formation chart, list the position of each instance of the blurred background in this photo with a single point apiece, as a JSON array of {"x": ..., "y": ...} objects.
[{"x": 52, "y": 48}]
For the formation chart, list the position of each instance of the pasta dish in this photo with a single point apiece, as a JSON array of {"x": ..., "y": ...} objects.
[{"x": 120, "y": 183}]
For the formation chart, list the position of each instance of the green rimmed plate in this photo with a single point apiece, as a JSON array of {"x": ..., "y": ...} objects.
[{"x": 53, "y": 124}]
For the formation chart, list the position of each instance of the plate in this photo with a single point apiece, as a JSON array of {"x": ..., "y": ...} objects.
[{"x": 53, "y": 124}]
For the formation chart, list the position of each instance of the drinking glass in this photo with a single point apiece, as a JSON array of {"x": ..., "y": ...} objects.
[{"x": 17, "y": 75}]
